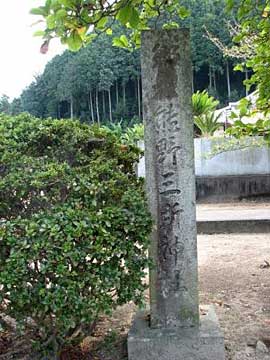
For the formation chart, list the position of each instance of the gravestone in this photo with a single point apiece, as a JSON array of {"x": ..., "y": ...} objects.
[{"x": 174, "y": 330}]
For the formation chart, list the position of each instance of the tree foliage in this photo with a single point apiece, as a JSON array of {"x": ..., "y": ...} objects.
[
  {"x": 243, "y": 50},
  {"x": 4, "y": 104},
  {"x": 204, "y": 107},
  {"x": 102, "y": 83},
  {"x": 255, "y": 24},
  {"x": 260, "y": 128},
  {"x": 208, "y": 123},
  {"x": 249, "y": 121},
  {"x": 74, "y": 226},
  {"x": 76, "y": 22},
  {"x": 99, "y": 83},
  {"x": 203, "y": 103}
]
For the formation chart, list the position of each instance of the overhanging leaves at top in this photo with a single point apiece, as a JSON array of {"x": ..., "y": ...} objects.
[
  {"x": 75, "y": 21},
  {"x": 254, "y": 18}
]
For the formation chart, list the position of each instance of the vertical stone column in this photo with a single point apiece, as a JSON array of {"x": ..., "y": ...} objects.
[
  {"x": 170, "y": 178},
  {"x": 174, "y": 332}
]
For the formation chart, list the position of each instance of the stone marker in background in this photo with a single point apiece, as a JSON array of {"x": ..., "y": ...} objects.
[{"x": 174, "y": 330}]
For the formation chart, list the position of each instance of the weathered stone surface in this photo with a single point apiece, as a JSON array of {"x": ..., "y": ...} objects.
[
  {"x": 169, "y": 157},
  {"x": 261, "y": 348},
  {"x": 262, "y": 351},
  {"x": 203, "y": 343},
  {"x": 174, "y": 331}
]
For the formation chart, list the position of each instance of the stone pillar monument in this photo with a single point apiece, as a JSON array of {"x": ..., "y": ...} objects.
[{"x": 175, "y": 330}]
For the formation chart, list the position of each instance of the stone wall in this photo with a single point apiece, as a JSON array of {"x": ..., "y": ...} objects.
[
  {"x": 250, "y": 161},
  {"x": 229, "y": 175},
  {"x": 234, "y": 187}
]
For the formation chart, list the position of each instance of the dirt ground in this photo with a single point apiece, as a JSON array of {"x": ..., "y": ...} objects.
[{"x": 233, "y": 276}]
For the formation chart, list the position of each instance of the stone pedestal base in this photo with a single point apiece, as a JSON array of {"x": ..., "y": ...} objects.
[{"x": 205, "y": 343}]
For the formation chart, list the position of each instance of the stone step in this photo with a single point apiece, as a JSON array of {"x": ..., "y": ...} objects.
[
  {"x": 233, "y": 226},
  {"x": 233, "y": 218}
]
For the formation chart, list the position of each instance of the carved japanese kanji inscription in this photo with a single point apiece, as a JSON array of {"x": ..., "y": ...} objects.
[{"x": 170, "y": 181}]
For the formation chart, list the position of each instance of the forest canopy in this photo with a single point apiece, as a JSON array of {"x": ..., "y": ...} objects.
[{"x": 102, "y": 82}]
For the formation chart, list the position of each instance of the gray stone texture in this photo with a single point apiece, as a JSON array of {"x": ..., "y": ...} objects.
[
  {"x": 211, "y": 227},
  {"x": 204, "y": 343},
  {"x": 173, "y": 330},
  {"x": 231, "y": 188},
  {"x": 170, "y": 179}
]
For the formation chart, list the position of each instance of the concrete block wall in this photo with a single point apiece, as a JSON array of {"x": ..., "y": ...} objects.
[
  {"x": 249, "y": 161},
  {"x": 230, "y": 175}
]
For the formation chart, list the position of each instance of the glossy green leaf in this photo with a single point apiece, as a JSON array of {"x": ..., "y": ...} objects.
[
  {"x": 61, "y": 13},
  {"x": 121, "y": 42},
  {"x": 134, "y": 18},
  {"x": 102, "y": 22},
  {"x": 39, "y": 33},
  {"x": 183, "y": 12},
  {"x": 109, "y": 31},
  {"x": 124, "y": 15},
  {"x": 74, "y": 41},
  {"x": 51, "y": 21},
  {"x": 39, "y": 11}
]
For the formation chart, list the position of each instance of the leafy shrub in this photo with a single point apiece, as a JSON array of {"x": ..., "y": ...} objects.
[
  {"x": 134, "y": 134},
  {"x": 249, "y": 121},
  {"x": 131, "y": 135},
  {"x": 260, "y": 128},
  {"x": 204, "y": 106},
  {"x": 208, "y": 123},
  {"x": 74, "y": 225},
  {"x": 203, "y": 103}
]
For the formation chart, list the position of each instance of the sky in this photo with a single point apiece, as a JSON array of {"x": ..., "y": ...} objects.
[{"x": 20, "y": 58}]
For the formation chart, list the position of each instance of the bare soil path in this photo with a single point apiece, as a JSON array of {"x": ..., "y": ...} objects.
[{"x": 234, "y": 276}]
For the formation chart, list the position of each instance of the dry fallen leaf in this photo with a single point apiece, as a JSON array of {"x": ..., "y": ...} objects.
[
  {"x": 265, "y": 265},
  {"x": 44, "y": 47}
]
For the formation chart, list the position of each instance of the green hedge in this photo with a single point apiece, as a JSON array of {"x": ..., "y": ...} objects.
[{"x": 74, "y": 225}]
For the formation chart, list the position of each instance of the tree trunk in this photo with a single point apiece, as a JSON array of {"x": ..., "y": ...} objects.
[
  {"x": 97, "y": 107},
  {"x": 71, "y": 107},
  {"x": 136, "y": 89},
  {"x": 103, "y": 105},
  {"x": 192, "y": 81},
  {"x": 117, "y": 92},
  {"x": 210, "y": 78},
  {"x": 228, "y": 80},
  {"x": 214, "y": 79},
  {"x": 139, "y": 96},
  {"x": 110, "y": 105},
  {"x": 124, "y": 95},
  {"x": 91, "y": 107},
  {"x": 58, "y": 111},
  {"x": 246, "y": 78}
]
